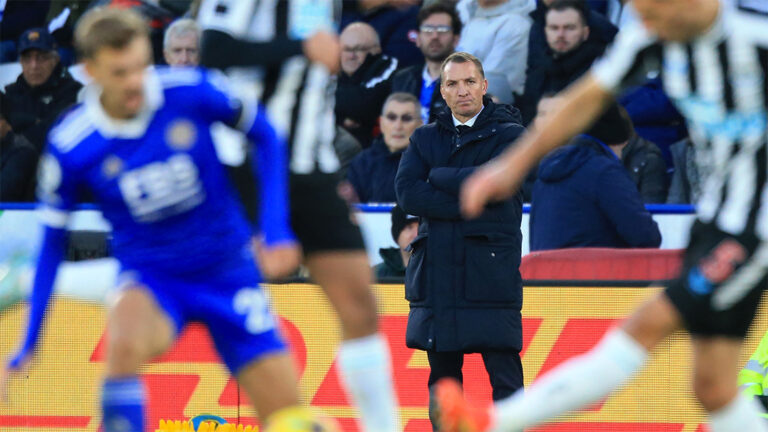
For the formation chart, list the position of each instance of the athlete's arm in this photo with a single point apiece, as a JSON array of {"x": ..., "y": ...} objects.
[
  {"x": 51, "y": 254},
  {"x": 221, "y": 51},
  {"x": 271, "y": 166},
  {"x": 582, "y": 103}
]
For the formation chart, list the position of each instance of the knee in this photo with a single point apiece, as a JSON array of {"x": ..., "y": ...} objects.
[
  {"x": 713, "y": 393},
  {"x": 126, "y": 353}
]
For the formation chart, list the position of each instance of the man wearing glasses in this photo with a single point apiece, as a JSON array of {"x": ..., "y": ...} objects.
[
  {"x": 372, "y": 171},
  {"x": 439, "y": 31},
  {"x": 364, "y": 81}
]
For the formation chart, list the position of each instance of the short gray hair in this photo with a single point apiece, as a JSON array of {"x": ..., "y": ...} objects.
[
  {"x": 402, "y": 97},
  {"x": 180, "y": 27}
]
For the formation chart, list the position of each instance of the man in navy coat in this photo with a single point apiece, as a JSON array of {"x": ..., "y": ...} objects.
[{"x": 462, "y": 280}]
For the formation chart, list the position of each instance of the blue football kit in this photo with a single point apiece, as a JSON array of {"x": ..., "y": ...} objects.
[{"x": 178, "y": 228}]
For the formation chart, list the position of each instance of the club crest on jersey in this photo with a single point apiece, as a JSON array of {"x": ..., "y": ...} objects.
[
  {"x": 181, "y": 135},
  {"x": 112, "y": 167}
]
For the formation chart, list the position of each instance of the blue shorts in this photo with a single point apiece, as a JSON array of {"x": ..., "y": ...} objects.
[{"x": 227, "y": 300}]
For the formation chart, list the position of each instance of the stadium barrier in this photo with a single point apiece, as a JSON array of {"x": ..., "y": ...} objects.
[{"x": 61, "y": 390}]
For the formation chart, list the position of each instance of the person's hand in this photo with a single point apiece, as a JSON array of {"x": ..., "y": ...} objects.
[
  {"x": 18, "y": 363},
  {"x": 277, "y": 261},
  {"x": 5, "y": 127},
  {"x": 323, "y": 47},
  {"x": 493, "y": 181}
]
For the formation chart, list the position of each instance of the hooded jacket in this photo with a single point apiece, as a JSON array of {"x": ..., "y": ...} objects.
[
  {"x": 583, "y": 197},
  {"x": 498, "y": 36},
  {"x": 462, "y": 280}
]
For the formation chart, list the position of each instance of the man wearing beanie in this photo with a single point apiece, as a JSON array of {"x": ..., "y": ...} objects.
[{"x": 404, "y": 228}]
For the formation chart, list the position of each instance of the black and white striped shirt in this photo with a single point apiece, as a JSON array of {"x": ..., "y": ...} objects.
[
  {"x": 258, "y": 43},
  {"x": 718, "y": 82}
]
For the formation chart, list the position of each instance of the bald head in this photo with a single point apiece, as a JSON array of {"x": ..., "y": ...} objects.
[{"x": 357, "y": 41}]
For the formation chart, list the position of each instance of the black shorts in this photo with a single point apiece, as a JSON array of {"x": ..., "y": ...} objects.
[
  {"x": 320, "y": 218},
  {"x": 721, "y": 282}
]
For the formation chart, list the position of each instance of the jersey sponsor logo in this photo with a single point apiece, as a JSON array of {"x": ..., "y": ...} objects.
[
  {"x": 181, "y": 135},
  {"x": 714, "y": 121},
  {"x": 162, "y": 189},
  {"x": 111, "y": 167}
]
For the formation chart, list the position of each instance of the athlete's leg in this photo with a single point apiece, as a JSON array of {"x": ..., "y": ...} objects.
[
  {"x": 138, "y": 330},
  {"x": 716, "y": 366},
  {"x": 270, "y": 383},
  {"x": 345, "y": 276},
  {"x": 572, "y": 385},
  {"x": 364, "y": 358}
]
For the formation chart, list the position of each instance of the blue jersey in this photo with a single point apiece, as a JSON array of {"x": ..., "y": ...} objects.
[
  {"x": 159, "y": 183},
  {"x": 156, "y": 177}
]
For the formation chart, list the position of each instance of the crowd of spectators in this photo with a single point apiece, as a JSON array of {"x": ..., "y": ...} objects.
[{"x": 388, "y": 85}]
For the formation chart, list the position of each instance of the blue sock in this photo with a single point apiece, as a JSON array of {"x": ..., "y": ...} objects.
[{"x": 122, "y": 404}]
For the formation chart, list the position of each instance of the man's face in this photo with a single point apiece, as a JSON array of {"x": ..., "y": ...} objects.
[
  {"x": 463, "y": 88},
  {"x": 120, "y": 72},
  {"x": 673, "y": 20},
  {"x": 398, "y": 122},
  {"x": 183, "y": 50},
  {"x": 356, "y": 43},
  {"x": 408, "y": 234},
  {"x": 565, "y": 30},
  {"x": 37, "y": 66},
  {"x": 436, "y": 39}
]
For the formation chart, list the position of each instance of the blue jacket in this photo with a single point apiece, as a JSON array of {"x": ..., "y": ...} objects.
[
  {"x": 372, "y": 173},
  {"x": 583, "y": 197},
  {"x": 462, "y": 281}
]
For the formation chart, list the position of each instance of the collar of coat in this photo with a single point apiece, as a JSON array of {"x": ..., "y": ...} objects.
[{"x": 492, "y": 113}]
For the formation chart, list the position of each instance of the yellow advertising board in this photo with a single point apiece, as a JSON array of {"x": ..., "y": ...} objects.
[{"x": 61, "y": 390}]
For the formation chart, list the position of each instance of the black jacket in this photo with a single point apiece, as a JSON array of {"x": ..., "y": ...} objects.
[
  {"x": 601, "y": 34},
  {"x": 18, "y": 165},
  {"x": 31, "y": 111},
  {"x": 392, "y": 267},
  {"x": 409, "y": 80},
  {"x": 583, "y": 197},
  {"x": 462, "y": 281},
  {"x": 359, "y": 97},
  {"x": 646, "y": 168},
  {"x": 372, "y": 173}
]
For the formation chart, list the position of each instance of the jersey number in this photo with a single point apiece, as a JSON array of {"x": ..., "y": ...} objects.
[{"x": 253, "y": 303}]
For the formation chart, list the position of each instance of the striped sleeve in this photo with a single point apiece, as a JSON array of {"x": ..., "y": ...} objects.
[{"x": 634, "y": 54}]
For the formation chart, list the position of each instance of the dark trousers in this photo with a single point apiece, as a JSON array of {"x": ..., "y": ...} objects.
[{"x": 504, "y": 368}]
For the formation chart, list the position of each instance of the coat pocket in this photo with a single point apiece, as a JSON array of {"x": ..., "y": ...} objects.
[
  {"x": 416, "y": 271},
  {"x": 491, "y": 270}
]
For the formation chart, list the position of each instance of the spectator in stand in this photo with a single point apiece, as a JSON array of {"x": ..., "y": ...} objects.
[
  {"x": 439, "y": 32},
  {"x": 18, "y": 163},
  {"x": 496, "y": 32},
  {"x": 17, "y": 16},
  {"x": 641, "y": 159},
  {"x": 463, "y": 281},
  {"x": 181, "y": 43},
  {"x": 565, "y": 39},
  {"x": 686, "y": 184},
  {"x": 583, "y": 197},
  {"x": 42, "y": 91},
  {"x": 395, "y": 23},
  {"x": 654, "y": 116},
  {"x": 404, "y": 229},
  {"x": 372, "y": 172},
  {"x": 364, "y": 82}
]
